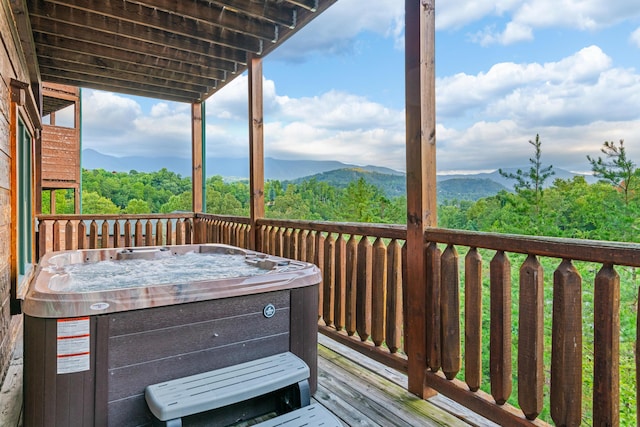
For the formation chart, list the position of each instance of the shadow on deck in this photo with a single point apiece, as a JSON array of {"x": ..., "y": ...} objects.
[{"x": 356, "y": 389}]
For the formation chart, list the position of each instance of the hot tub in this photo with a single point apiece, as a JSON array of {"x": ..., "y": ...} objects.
[{"x": 100, "y": 325}]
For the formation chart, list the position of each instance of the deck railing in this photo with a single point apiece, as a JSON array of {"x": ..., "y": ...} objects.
[{"x": 361, "y": 305}]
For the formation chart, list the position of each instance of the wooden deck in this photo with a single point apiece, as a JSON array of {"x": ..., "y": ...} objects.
[{"x": 358, "y": 390}]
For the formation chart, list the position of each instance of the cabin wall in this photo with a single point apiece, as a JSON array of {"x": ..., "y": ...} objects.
[{"x": 12, "y": 66}]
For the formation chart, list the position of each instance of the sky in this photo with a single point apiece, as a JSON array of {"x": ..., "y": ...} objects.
[{"x": 506, "y": 70}]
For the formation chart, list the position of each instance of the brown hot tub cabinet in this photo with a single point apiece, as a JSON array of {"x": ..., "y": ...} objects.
[{"x": 89, "y": 354}]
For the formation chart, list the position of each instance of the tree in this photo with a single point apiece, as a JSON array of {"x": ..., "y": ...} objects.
[
  {"x": 94, "y": 203},
  {"x": 530, "y": 184},
  {"x": 137, "y": 206},
  {"x": 617, "y": 169}
]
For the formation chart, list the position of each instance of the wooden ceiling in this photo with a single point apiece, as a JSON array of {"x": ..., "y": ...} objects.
[{"x": 178, "y": 50}]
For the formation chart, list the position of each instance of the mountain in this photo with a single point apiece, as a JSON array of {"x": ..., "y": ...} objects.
[
  {"x": 508, "y": 183},
  {"x": 227, "y": 167},
  {"x": 391, "y": 182},
  {"x": 391, "y": 185}
]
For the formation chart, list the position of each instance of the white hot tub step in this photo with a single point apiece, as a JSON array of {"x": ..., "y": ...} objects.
[
  {"x": 309, "y": 416},
  {"x": 171, "y": 400}
]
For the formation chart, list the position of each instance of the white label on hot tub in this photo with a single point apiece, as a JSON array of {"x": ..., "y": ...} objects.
[{"x": 74, "y": 341}]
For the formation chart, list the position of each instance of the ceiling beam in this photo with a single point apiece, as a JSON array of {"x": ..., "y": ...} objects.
[
  {"x": 202, "y": 22},
  {"x": 279, "y": 13},
  {"x": 110, "y": 85},
  {"x": 111, "y": 41},
  {"x": 48, "y": 14},
  {"x": 198, "y": 75},
  {"x": 124, "y": 75}
]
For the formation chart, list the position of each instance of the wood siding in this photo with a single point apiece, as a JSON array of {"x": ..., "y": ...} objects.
[
  {"x": 60, "y": 157},
  {"x": 12, "y": 66}
]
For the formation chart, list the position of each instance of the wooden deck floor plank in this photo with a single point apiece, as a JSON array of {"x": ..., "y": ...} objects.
[
  {"x": 342, "y": 409},
  {"x": 360, "y": 397},
  {"x": 398, "y": 406}
]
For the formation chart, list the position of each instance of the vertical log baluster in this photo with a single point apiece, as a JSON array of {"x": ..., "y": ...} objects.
[
  {"x": 638, "y": 362},
  {"x": 280, "y": 241},
  {"x": 286, "y": 243},
  {"x": 127, "y": 233},
  {"x": 310, "y": 247},
  {"x": 295, "y": 244},
  {"x": 329, "y": 280},
  {"x": 340, "y": 283},
  {"x": 117, "y": 234},
  {"x": 179, "y": 232},
  {"x": 160, "y": 233},
  {"x": 405, "y": 327},
  {"x": 139, "y": 238},
  {"x": 363, "y": 297},
  {"x": 104, "y": 237},
  {"x": 42, "y": 239},
  {"x": 319, "y": 261},
  {"x": 500, "y": 324},
  {"x": 378, "y": 292},
  {"x": 188, "y": 231},
  {"x": 68, "y": 236},
  {"x": 148, "y": 233},
  {"x": 302, "y": 245},
  {"x": 393, "y": 331},
  {"x": 434, "y": 341},
  {"x": 531, "y": 338},
  {"x": 56, "y": 235},
  {"x": 473, "y": 319},
  {"x": 264, "y": 239},
  {"x": 273, "y": 235},
  {"x": 93, "y": 235},
  {"x": 450, "y": 312},
  {"x": 606, "y": 345},
  {"x": 82, "y": 235},
  {"x": 351, "y": 285},
  {"x": 169, "y": 239},
  {"x": 566, "y": 346}
]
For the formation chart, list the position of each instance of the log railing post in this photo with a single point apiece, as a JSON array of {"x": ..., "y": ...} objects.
[
  {"x": 473, "y": 319},
  {"x": 450, "y": 312},
  {"x": 606, "y": 345},
  {"x": 500, "y": 326},
  {"x": 531, "y": 338},
  {"x": 566, "y": 346},
  {"x": 421, "y": 176}
]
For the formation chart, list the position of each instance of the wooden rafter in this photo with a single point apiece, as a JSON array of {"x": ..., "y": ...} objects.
[{"x": 183, "y": 51}]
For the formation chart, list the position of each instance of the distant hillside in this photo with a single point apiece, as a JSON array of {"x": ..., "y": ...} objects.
[
  {"x": 391, "y": 185},
  {"x": 226, "y": 167},
  {"x": 508, "y": 183},
  {"x": 467, "y": 189},
  {"x": 395, "y": 185}
]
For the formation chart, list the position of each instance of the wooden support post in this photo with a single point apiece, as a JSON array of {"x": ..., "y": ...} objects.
[
  {"x": 197, "y": 142},
  {"x": 421, "y": 176},
  {"x": 256, "y": 150}
]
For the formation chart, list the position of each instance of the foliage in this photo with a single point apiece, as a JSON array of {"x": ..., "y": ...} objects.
[
  {"x": 94, "y": 203},
  {"x": 530, "y": 185},
  {"x": 617, "y": 170}
]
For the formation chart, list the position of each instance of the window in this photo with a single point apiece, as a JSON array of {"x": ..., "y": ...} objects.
[{"x": 25, "y": 224}]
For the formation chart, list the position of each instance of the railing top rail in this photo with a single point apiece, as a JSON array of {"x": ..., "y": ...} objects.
[
  {"x": 389, "y": 231},
  {"x": 227, "y": 218},
  {"x": 67, "y": 217},
  {"x": 615, "y": 253}
]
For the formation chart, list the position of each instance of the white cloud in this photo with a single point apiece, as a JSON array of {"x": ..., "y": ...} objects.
[
  {"x": 116, "y": 125},
  {"x": 635, "y": 37},
  {"x": 523, "y": 17},
  {"x": 334, "y": 31},
  {"x": 484, "y": 120}
]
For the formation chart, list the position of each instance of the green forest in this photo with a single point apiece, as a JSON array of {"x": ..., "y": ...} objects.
[{"x": 539, "y": 205}]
